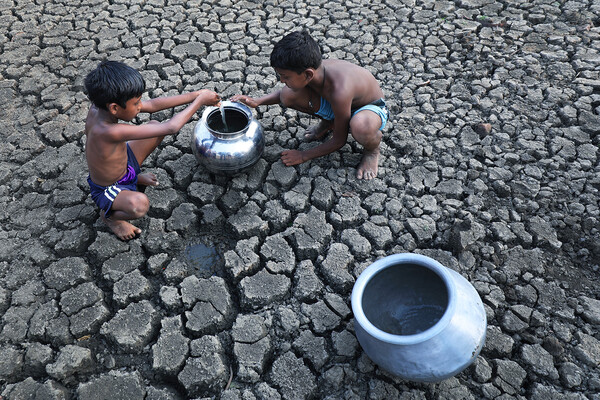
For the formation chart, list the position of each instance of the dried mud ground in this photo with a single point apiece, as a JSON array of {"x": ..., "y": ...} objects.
[{"x": 238, "y": 288}]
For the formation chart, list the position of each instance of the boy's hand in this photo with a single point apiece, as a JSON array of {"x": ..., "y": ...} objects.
[
  {"x": 207, "y": 97},
  {"x": 247, "y": 100},
  {"x": 292, "y": 157}
]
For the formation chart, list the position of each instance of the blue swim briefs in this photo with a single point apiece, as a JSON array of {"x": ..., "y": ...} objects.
[
  {"x": 104, "y": 196},
  {"x": 378, "y": 107}
]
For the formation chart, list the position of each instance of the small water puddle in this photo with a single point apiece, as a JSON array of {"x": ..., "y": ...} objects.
[{"x": 203, "y": 258}]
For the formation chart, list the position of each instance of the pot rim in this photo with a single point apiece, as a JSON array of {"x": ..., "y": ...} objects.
[
  {"x": 227, "y": 104},
  {"x": 389, "y": 261},
  {"x": 241, "y": 107}
]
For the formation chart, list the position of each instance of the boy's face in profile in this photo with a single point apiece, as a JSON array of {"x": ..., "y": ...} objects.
[
  {"x": 132, "y": 108},
  {"x": 294, "y": 80}
]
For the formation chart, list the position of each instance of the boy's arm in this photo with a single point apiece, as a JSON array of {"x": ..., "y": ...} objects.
[
  {"x": 162, "y": 103},
  {"x": 125, "y": 132},
  {"x": 269, "y": 99}
]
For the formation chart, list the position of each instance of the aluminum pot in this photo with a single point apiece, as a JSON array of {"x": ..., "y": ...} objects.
[
  {"x": 416, "y": 318},
  {"x": 231, "y": 145}
]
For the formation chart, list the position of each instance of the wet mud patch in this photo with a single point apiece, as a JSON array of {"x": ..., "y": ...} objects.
[{"x": 204, "y": 256}]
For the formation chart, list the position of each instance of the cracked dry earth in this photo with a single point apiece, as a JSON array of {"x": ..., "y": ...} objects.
[{"x": 240, "y": 288}]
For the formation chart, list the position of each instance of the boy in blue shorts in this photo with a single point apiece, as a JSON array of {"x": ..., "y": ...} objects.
[
  {"x": 345, "y": 96},
  {"x": 114, "y": 150}
]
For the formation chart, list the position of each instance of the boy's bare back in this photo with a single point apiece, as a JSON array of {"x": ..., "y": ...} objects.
[
  {"x": 349, "y": 83},
  {"x": 107, "y": 159}
]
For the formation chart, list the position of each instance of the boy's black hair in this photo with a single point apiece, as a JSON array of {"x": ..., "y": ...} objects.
[
  {"x": 296, "y": 52},
  {"x": 113, "y": 82}
]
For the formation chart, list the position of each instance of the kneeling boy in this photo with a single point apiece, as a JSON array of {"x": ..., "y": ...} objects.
[
  {"x": 115, "y": 151},
  {"x": 347, "y": 98}
]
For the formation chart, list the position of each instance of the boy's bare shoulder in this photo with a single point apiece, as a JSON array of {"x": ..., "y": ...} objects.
[
  {"x": 349, "y": 82},
  {"x": 350, "y": 78},
  {"x": 96, "y": 126},
  {"x": 341, "y": 71},
  {"x": 93, "y": 123},
  {"x": 342, "y": 66}
]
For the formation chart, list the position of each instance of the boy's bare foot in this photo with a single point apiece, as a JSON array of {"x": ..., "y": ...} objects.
[
  {"x": 319, "y": 131},
  {"x": 147, "y": 179},
  {"x": 368, "y": 165},
  {"x": 123, "y": 229}
]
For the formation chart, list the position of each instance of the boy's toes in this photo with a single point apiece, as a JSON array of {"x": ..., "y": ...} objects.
[
  {"x": 122, "y": 229},
  {"x": 148, "y": 179},
  {"x": 365, "y": 174},
  {"x": 368, "y": 166},
  {"x": 317, "y": 132},
  {"x": 311, "y": 134}
]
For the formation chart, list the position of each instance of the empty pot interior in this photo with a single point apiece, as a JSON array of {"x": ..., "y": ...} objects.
[
  {"x": 235, "y": 120},
  {"x": 405, "y": 299}
]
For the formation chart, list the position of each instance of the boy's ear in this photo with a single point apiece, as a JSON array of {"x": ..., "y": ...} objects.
[
  {"x": 112, "y": 108},
  {"x": 309, "y": 73}
]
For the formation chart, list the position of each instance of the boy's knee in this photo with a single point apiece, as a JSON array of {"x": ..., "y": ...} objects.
[
  {"x": 366, "y": 125},
  {"x": 139, "y": 205},
  {"x": 286, "y": 98},
  {"x": 366, "y": 134},
  {"x": 289, "y": 98},
  {"x": 361, "y": 127}
]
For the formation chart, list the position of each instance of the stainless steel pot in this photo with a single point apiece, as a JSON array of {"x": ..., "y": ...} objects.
[
  {"x": 417, "y": 319},
  {"x": 231, "y": 146}
]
